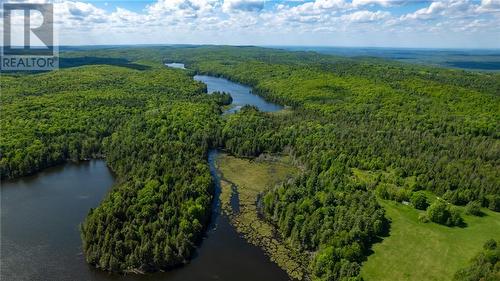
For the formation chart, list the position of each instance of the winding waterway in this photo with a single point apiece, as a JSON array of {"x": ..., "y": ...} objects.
[{"x": 40, "y": 215}]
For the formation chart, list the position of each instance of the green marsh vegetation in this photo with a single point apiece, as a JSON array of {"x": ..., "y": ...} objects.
[
  {"x": 248, "y": 180},
  {"x": 409, "y": 128}
]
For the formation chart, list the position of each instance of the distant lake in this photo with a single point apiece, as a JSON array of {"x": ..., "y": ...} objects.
[
  {"x": 242, "y": 95},
  {"x": 175, "y": 65}
]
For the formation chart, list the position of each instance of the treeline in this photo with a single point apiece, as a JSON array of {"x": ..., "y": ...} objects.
[
  {"x": 323, "y": 213},
  {"x": 242, "y": 133},
  {"x": 485, "y": 266}
]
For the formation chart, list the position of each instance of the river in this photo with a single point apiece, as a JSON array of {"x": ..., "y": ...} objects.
[{"x": 40, "y": 215}]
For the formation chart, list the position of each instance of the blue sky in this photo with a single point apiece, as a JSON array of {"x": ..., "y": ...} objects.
[
  {"x": 140, "y": 5},
  {"x": 375, "y": 23}
]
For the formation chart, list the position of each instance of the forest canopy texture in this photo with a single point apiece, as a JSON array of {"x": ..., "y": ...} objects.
[{"x": 433, "y": 129}]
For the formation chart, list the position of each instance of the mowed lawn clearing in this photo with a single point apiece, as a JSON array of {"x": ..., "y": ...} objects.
[{"x": 427, "y": 251}]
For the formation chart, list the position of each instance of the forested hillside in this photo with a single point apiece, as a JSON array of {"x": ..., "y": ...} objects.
[
  {"x": 414, "y": 128},
  {"x": 154, "y": 128},
  {"x": 49, "y": 118},
  {"x": 439, "y": 126}
]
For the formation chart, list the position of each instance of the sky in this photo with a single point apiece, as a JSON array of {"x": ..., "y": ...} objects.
[{"x": 356, "y": 23}]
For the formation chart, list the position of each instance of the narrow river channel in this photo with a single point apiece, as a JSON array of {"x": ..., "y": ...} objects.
[{"x": 40, "y": 215}]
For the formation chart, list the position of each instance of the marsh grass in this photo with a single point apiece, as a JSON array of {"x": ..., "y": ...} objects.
[{"x": 251, "y": 178}]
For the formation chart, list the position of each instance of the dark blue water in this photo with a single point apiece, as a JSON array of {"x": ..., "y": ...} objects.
[
  {"x": 40, "y": 217},
  {"x": 242, "y": 95}
]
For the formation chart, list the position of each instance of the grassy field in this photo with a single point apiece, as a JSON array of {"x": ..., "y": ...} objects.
[
  {"x": 427, "y": 251},
  {"x": 413, "y": 250},
  {"x": 246, "y": 179}
]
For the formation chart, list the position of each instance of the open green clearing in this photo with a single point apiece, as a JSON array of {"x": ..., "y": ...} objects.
[{"x": 427, "y": 251}]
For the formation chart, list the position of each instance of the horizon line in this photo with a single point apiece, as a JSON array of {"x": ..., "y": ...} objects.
[{"x": 278, "y": 45}]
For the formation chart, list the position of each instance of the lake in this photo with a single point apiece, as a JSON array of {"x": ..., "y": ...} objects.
[
  {"x": 41, "y": 214},
  {"x": 40, "y": 218},
  {"x": 242, "y": 95}
]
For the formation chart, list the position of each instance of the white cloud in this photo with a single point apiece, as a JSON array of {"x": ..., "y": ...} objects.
[
  {"x": 490, "y": 3},
  {"x": 125, "y": 17},
  {"x": 243, "y": 5},
  {"x": 427, "y": 13},
  {"x": 78, "y": 14},
  {"x": 248, "y": 21},
  {"x": 446, "y": 10},
  {"x": 316, "y": 12},
  {"x": 489, "y": 6},
  {"x": 82, "y": 12},
  {"x": 384, "y": 3},
  {"x": 330, "y": 4},
  {"x": 182, "y": 8},
  {"x": 365, "y": 16}
]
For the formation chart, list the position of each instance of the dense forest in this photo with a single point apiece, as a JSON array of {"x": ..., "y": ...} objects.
[
  {"x": 153, "y": 219},
  {"x": 153, "y": 127},
  {"x": 416, "y": 128},
  {"x": 442, "y": 130}
]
